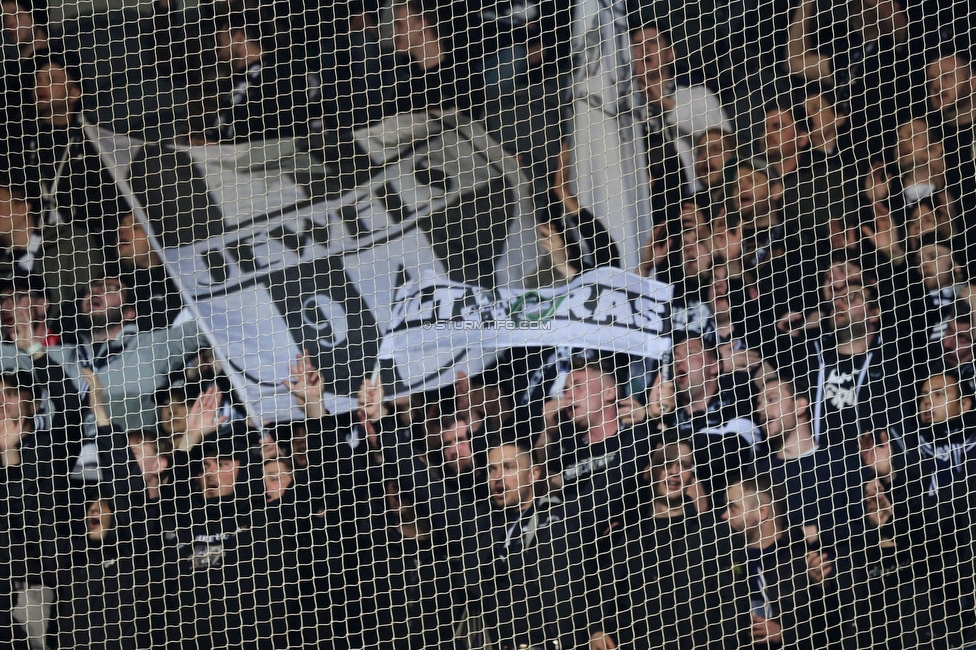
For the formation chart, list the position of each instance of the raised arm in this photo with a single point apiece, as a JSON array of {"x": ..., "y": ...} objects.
[{"x": 802, "y": 58}]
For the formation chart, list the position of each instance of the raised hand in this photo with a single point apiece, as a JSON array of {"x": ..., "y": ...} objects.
[
  {"x": 306, "y": 386},
  {"x": 878, "y": 509},
  {"x": 203, "y": 419},
  {"x": 371, "y": 408},
  {"x": 876, "y": 454},
  {"x": 631, "y": 412},
  {"x": 96, "y": 396}
]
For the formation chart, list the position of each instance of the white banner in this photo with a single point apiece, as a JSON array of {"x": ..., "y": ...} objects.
[
  {"x": 609, "y": 154},
  {"x": 440, "y": 327}
]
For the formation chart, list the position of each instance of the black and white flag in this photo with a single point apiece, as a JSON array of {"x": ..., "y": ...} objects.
[{"x": 279, "y": 246}]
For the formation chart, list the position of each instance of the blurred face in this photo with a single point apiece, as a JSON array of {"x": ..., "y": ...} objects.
[
  {"x": 782, "y": 137},
  {"x": 55, "y": 94},
  {"x": 751, "y": 195},
  {"x": 589, "y": 392},
  {"x": 18, "y": 23},
  {"x": 957, "y": 342},
  {"x": 777, "y": 410},
  {"x": 711, "y": 156},
  {"x": 219, "y": 477},
  {"x": 853, "y": 309},
  {"x": 151, "y": 463},
  {"x": 878, "y": 508},
  {"x": 652, "y": 56},
  {"x": 99, "y": 519},
  {"x": 925, "y": 219},
  {"x": 133, "y": 243},
  {"x": 511, "y": 477},
  {"x": 825, "y": 121},
  {"x": 14, "y": 308},
  {"x": 950, "y": 86},
  {"x": 14, "y": 408},
  {"x": 693, "y": 367},
  {"x": 718, "y": 291},
  {"x": 456, "y": 447},
  {"x": 232, "y": 48},
  {"x": 277, "y": 480},
  {"x": 940, "y": 400},
  {"x": 104, "y": 305},
  {"x": 838, "y": 278},
  {"x": 915, "y": 145},
  {"x": 696, "y": 250},
  {"x": 936, "y": 266},
  {"x": 745, "y": 512},
  {"x": 172, "y": 417},
  {"x": 675, "y": 474},
  {"x": 410, "y": 32}
]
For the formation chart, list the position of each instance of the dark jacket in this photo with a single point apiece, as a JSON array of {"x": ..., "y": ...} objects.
[
  {"x": 525, "y": 574},
  {"x": 674, "y": 583}
]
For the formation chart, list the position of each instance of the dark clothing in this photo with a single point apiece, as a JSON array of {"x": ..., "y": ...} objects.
[
  {"x": 597, "y": 477},
  {"x": 672, "y": 583},
  {"x": 524, "y": 571},
  {"x": 97, "y": 602},
  {"x": 442, "y": 87},
  {"x": 286, "y": 549},
  {"x": 815, "y": 193},
  {"x": 723, "y": 436},
  {"x": 271, "y": 99},
  {"x": 65, "y": 170},
  {"x": 61, "y": 256},
  {"x": 848, "y": 391},
  {"x": 780, "y": 589},
  {"x": 417, "y": 592},
  {"x": 891, "y": 601},
  {"x": 877, "y": 83},
  {"x": 157, "y": 300},
  {"x": 781, "y": 274},
  {"x": 823, "y": 489},
  {"x": 216, "y": 572}
]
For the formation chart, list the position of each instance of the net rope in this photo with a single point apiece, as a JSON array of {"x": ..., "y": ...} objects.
[{"x": 511, "y": 324}]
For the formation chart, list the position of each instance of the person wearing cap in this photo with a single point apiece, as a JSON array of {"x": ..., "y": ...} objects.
[
  {"x": 669, "y": 579},
  {"x": 524, "y": 558},
  {"x": 216, "y": 571}
]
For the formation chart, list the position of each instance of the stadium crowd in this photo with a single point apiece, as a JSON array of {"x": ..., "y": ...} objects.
[{"x": 800, "y": 472}]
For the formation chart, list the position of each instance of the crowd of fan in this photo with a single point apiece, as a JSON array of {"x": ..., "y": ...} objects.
[{"x": 799, "y": 473}]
